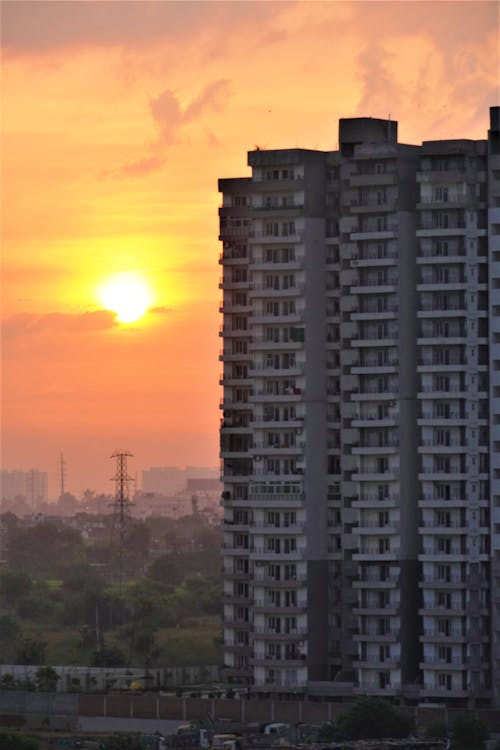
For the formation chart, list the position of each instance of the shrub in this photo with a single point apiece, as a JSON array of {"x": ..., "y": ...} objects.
[
  {"x": 373, "y": 718},
  {"x": 468, "y": 733}
]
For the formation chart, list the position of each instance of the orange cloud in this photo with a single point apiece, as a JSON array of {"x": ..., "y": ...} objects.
[{"x": 26, "y": 324}]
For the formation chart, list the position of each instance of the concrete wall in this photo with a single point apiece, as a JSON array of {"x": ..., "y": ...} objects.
[{"x": 62, "y": 710}]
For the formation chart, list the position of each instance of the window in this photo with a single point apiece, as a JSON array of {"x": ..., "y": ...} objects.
[
  {"x": 443, "y": 626},
  {"x": 443, "y": 545},
  {"x": 443, "y": 600},
  {"x": 442, "y": 383},
  {"x": 444, "y": 681},
  {"x": 444, "y": 573},
  {"x": 384, "y": 546},
  {"x": 441, "y": 194}
]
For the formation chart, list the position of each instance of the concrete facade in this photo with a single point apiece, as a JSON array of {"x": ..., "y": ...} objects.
[{"x": 360, "y": 416}]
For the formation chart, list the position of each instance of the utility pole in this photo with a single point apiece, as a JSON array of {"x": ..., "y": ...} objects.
[
  {"x": 62, "y": 473},
  {"x": 121, "y": 505}
]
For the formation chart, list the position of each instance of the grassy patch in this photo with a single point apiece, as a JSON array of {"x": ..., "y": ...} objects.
[{"x": 191, "y": 644}]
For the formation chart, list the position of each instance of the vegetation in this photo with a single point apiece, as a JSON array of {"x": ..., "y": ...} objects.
[
  {"x": 436, "y": 729},
  {"x": 15, "y": 741},
  {"x": 373, "y": 718},
  {"x": 68, "y": 606},
  {"x": 468, "y": 734},
  {"x": 122, "y": 742}
]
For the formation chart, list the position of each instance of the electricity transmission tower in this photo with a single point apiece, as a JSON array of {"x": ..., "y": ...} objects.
[{"x": 121, "y": 507}]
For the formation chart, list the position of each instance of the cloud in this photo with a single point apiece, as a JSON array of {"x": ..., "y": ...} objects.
[
  {"x": 160, "y": 310},
  {"x": 214, "y": 96},
  {"x": 40, "y": 27},
  {"x": 28, "y": 324},
  {"x": 139, "y": 168},
  {"x": 441, "y": 68},
  {"x": 166, "y": 111},
  {"x": 170, "y": 118}
]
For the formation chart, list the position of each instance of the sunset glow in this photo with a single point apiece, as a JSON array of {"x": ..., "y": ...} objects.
[
  {"x": 118, "y": 118},
  {"x": 126, "y": 295}
]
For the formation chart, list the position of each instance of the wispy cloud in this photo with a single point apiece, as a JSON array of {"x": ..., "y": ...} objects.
[
  {"x": 170, "y": 118},
  {"x": 139, "y": 168},
  {"x": 160, "y": 310},
  {"x": 28, "y": 324}
]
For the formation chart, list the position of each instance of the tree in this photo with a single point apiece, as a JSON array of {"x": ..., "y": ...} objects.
[
  {"x": 14, "y": 584},
  {"x": 122, "y": 742},
  {"x": 31, "y": 651},
  {"x": 109, "y": 656},
  {"x": 46, "y": 679},
  {"x": 165, "y": 569},
  {"x": 8, "y": 682},
  {"x": 327, "y": 733},
  {"x": 34, "y": 606},
  {"x": 468, "y": 733},
  {"x": 436, "y": 729},
  {"x": 11, "y": 741},
  {"x": 9, "y": 628},
  {"x": 373, "y": 718}
]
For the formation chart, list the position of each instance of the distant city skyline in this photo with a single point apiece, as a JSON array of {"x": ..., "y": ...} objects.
[
  {"x": 16, "y": 481},
  {"x": 117, "y": 120}
]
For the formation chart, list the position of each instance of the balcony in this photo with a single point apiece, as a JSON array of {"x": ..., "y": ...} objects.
[
  {"x": 432, "y": 581},
  {"x": 262, "y": 237},
  {"x": 373, "y": 501},
  {"x": 376, "y": 610},
  {"x": 260, "y": 578},
  {"x": 371, "y": 475},
  {"x": 263, "y": 606},
  {"x": 442, "y": 176},
  {"x": 373, "y": 634},
  {"x": 296, "y": 369},
  {"x": 373, "y": 205},
  {"x": 263, "y": 553},
  {"x": 270, "y": 528},
  {"x": 271, "y": 318},
  {"x": 363, "y": 179},
  {"x": 364, "y": 232},
  {"x": 389, "y": 340},
  {"x": 375, "y": 288},
  {"x": 261, "y": 499},
  {"x": 264, "y": 633},
  {"x": 291, "y": 264},
  {"x": 237, "y": 600},
  {"x": 375, "y": 450},
  {"x": 260, "y": 290},
  {"x": 293, "y": 395},
  {"x": 430, "y": 554},
  {"x": 374, "y": 582},
  {"x": 291, "y": 208},
  {"x": 435, "y": 610},
  {"x": 273, "y": 662},
  {"x": 372, "y": 662},
  {"x": 375, "y": 554},
  {"x": 374, "y": 527}
]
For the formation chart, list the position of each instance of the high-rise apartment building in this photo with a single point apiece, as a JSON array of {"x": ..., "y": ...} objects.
[
  {"x": 30, "y": 485},
  {"x": 360, "y": 429}
]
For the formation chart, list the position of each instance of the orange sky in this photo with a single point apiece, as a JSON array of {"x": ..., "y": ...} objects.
[{"x": 117, "y": 120}]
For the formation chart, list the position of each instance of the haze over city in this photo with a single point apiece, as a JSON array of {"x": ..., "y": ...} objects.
[{"x": 118, "y": 118}]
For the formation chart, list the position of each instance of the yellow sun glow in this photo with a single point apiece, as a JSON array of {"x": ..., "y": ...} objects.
[{"x": 128, "y": 295}]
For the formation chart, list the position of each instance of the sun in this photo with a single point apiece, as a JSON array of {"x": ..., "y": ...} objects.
[{"x": 126, "y": 294}]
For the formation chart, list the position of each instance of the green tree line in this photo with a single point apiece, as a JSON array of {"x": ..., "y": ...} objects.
[{"x": 54, "y": 581}]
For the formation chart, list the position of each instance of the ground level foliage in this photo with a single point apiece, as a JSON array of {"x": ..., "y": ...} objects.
[{"x": 64, "y": 600}]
